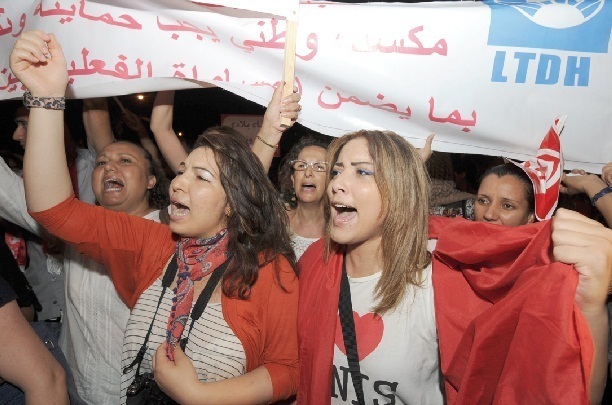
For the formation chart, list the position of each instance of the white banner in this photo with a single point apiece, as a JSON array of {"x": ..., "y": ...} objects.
[
  {"x": 486, "y": 77},
  {"x": 286, "y": 8}
]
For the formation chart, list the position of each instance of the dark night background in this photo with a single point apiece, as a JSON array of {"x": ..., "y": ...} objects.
[{"x": 194, "y": 111}]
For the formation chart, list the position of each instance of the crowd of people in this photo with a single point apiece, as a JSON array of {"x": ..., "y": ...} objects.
[{"x": 337, "y": 287}]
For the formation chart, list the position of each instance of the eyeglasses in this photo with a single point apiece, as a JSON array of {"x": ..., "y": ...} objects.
[{"x": 301, "y": 166}]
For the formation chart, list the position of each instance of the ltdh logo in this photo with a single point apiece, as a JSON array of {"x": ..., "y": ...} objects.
[
  {"x": 550, "y": 26},
  {"x": 568, "y": 25}
]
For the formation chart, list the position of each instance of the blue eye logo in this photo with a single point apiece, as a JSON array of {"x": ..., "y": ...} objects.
[{"x": 568, "y": 25}]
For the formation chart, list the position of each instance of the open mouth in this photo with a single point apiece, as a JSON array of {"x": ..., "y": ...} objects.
[
  {"x": 178, "y": 209},
  {"x": 308, "y": 186},
  {"x": 113, "y": 185},
  {"x": 343, "y": 213}
]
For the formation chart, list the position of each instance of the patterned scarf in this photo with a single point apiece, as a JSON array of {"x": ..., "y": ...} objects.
[{"x": 197, "y": 258}]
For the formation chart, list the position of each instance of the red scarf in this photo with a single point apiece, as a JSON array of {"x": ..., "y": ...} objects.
[
  {"x": 509, "y": 330},
  {"x": 197, "y": 258}
]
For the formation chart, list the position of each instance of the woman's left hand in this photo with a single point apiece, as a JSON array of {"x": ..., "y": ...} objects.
[
  {"x": 176, "y": 378},
  {"x": 587, "y": 245}
]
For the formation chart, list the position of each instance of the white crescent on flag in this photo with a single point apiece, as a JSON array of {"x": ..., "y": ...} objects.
[{"x": 545, "y": 171}]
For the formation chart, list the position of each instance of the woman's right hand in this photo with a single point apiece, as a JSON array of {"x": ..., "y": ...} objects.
[
  {"x": 587, "y": 245},
  {"x": 38, "y": 62}
]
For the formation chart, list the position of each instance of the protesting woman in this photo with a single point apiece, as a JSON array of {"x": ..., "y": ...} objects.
[
  {"x": 304, "y": 164},
  {"x": 372, "y": 329},
  {"x": 225, "y": 223},
  {"x": 505, "y": 197}
]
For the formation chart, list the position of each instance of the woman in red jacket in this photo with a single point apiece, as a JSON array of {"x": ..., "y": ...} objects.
[
  {"x": 490, "y": 313},
  {"x": 225, "y": 220}
]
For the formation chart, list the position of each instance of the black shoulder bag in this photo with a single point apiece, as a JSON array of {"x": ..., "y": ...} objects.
[
  {"x": 345, "y": 310},
  {"x": 144, "y": 390}
]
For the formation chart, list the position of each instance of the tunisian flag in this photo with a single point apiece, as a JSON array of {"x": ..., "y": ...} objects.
[
  {"x": 545, "y": 171},
  {"x": 509, "y": 329}
]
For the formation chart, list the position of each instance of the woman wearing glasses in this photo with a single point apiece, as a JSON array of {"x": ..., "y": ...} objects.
[
  {"x": 302, "y": 178},
  {"x": 301, "y": 173}
]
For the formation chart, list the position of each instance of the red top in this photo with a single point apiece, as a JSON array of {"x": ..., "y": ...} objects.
[
  {"x": 509, "y": 329},
  {"x": 136, "y": 251}
]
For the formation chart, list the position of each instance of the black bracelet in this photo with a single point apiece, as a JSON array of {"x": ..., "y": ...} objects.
[
  {"x": 48, "y": 103},
  {"x": 603, "y": 192}
]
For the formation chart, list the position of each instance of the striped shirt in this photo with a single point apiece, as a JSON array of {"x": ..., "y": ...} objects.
[{"x": 213, "y": 348}]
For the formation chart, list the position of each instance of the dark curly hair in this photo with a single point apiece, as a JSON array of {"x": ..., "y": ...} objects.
[
  {"x": 158, "y": 195},
  {"x": 285, "y": 170},
  {"x": 257, "y": 223}
]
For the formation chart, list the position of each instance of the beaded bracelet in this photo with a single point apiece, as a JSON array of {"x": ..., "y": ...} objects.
[
  {"x": 603, "y": 192},
  {"x": 266, "y": 143},
  {"x": 49, "y": 103}
]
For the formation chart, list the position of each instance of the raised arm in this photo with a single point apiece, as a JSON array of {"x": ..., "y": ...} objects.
[
  {"x": 134, "y": 123},
  {"x": 594, "y": 187},
  {"x": 161, "y": 125},
  {"x": 96, "y": 120},
  {"x": 587, "y": 245},
  {"x": 38, "y": 62},
  {"x": 270, "y": 133}
]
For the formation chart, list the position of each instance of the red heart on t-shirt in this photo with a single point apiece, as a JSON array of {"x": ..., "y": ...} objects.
[{"x": 369, "y": 330}]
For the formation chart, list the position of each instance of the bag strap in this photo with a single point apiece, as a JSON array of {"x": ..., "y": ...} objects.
[
  {"x": 166, "y": 282},
  {"x": 200, "y": 305},
  {"x": 345, "y": 310}
]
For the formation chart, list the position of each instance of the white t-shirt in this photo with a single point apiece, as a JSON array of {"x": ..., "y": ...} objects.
[{"x": 398, "y": 352}]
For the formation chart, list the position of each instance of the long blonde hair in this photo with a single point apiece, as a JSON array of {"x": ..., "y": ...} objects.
[{"x": 403, "y": 184}]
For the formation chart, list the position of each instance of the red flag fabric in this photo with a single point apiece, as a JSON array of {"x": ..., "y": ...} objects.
[
  {"x": 545, "y": 171},
  {"x": 17, "y": 244},
  {"x": 509, "y": 330},
  {"x": 508, "y": 327}
]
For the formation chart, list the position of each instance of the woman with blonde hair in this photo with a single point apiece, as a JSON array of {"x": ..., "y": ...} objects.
[
  {"x": 382, "y": 319},
  {"x": 377, "y": 238}
]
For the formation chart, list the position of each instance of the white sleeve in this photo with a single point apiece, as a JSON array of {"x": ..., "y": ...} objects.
[
  {"x": 85, "y": 164},
  {"x": 12, "y": 200}
]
